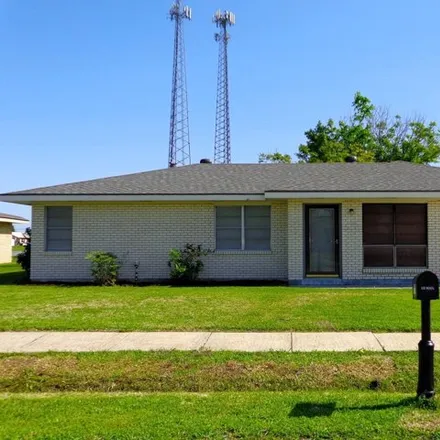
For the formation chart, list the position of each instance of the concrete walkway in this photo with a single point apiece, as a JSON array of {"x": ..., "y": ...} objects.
[{"x": 34, "y": 342}]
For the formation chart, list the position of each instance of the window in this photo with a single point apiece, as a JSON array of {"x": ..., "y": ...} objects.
[
  {"x": 243, "y": 228},
  {"x": 58, "y": 228},
  {"x": 395, "y": 235}
]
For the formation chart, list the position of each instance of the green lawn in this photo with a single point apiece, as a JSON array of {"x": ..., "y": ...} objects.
[
  {"x": 268, "y": 308},
  {"x": 18, "y": 248},
  {"x": 229, "y": 415}
]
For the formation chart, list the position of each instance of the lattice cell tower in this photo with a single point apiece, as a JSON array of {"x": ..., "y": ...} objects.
[
  {"x": 179, "y": 147},
  {"x": 222, "y": 143}
]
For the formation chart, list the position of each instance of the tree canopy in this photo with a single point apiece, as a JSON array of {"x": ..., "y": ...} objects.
[
  {"x": 274, "y": 158},
  {"x": 371, "y": 135}
]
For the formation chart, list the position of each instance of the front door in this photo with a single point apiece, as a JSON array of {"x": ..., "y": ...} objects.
[{"x": 322, "y": 240}]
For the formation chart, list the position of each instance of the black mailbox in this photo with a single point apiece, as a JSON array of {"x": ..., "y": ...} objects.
[{"x": 425, "y": 286}]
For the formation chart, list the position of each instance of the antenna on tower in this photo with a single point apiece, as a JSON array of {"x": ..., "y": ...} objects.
[
  {"x": 179, "y": 145},
  {"x": 222, "y": 142}
]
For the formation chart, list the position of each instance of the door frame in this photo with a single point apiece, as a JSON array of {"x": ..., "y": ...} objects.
[{"x": 337, "y": 244}]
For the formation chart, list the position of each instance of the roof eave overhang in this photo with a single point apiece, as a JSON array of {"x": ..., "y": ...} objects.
[
  {"x": 434, "y": 195},
  {"x": 14, "y": 221},
  {"x": 29, "y": 199}
]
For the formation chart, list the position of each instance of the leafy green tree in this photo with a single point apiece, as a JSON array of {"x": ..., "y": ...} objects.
[
  {"x": 274, "y": 158},
  {"x": 372, "y": 135},
  {"x": 24, "y": 258}
]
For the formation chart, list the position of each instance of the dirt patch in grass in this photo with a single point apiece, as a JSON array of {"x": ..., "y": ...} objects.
[
  {"x": 421, "y": 421},
  {"x": 324, "y": 374},
  {"x": 15, "y": 367},
  {"x": 325, "y": 325},
  {"x": 171, "y": 300},
  {"x": 96, "y": 304},
  {"x": 205, "y": 372},
  {"x": 369, "y": 368}
]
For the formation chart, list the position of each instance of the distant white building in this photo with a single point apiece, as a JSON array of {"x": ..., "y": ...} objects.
[
  {"x": 19, "y": 238},
  {"x": 6, "y": 222}
]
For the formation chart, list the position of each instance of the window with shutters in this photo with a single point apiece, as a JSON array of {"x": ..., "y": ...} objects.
[
  {"x": 58, "y": 228},
  {"x": 243, "y": 228},
  {"x": 395, "y": 235}
]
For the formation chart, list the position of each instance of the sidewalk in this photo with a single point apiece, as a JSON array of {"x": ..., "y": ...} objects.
[{"x": 34, "y": 342}]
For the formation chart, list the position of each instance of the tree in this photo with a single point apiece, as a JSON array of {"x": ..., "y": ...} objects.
[
  {"x": 372, "y": 135},
  {"x": 274, "y": 158},
  {"x": 24, "y": 258}
]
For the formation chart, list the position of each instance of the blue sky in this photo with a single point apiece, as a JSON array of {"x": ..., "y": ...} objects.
[{"x": 85, "y": 85}]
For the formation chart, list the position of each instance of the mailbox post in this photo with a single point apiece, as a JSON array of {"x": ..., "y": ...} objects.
[{"x": 425, "y": 289}]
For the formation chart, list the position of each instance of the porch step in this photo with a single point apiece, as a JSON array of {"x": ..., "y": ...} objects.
[
  {"x": 334, "y": 282},
  {"x": 322, "y": 282}
]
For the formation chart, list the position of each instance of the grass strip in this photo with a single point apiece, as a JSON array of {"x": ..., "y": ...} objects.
[
  {"x": 206, "y": 371},
  {"x": 250, "y": 415}
]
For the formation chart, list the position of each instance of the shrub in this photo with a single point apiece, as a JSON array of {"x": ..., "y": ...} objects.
[
  {"x": 186, "y": 264},
  {"x": 24, "y": 258},
  {"x": 105, "y": 267}
]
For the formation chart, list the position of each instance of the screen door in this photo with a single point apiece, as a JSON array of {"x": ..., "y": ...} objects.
[{"x": 322, "y": 240}]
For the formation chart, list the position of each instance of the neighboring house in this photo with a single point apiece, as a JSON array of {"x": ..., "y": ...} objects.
[
  {"x": 19, "y": 238},
  {"x": 308, "y": 224},
  {"x": 6, "y": 222}
]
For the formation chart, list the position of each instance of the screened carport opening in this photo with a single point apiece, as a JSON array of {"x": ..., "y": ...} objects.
[{"x": 395, "y": 235}]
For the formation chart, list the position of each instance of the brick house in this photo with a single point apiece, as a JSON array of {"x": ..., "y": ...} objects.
[
  {"x": 6, "y": 228},
  {"x": 307, "y": 224}
]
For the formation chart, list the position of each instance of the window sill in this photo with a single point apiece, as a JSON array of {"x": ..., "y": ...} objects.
[
  {"x": 58, "y": 253},
  {"x": 239, "y": 252},
  {"x": 393, "y": 269}
]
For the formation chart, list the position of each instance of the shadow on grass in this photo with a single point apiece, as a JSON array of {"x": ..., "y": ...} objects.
[
  {"x": 317, "y": 409},
  {"x": 10, "y": 278},
  {"x": 228, "y": 283}
]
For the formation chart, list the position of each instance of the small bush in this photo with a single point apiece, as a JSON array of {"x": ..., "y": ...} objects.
[
  {"x": 24, "y": 258},
  {"x": 186, "y": 264},
  {"x": 105, "y": 267}
]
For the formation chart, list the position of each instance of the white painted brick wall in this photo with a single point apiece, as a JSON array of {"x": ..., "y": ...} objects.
[
  {"x": 145, "y": 233},
  {"x": 5, "y": 243},
  {"x": 295, "y": 234}
]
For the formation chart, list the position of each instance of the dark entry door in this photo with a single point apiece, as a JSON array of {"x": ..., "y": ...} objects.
[{"x": 322, "y": 240}]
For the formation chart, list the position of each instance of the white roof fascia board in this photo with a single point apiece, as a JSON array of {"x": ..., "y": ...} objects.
[
  {"x": 354, "y": 195},
  {"x": 29, "y": 199},
  {"x": 11, "y": 220}
]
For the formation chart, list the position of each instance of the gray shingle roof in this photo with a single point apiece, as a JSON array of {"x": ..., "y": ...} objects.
[{"x": 258, "y": 179}]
